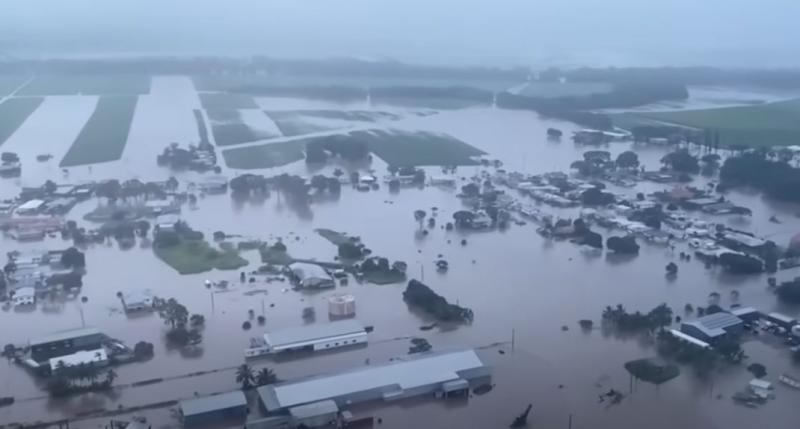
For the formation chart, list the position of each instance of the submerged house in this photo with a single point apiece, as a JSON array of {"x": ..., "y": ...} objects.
[
  {"x": 66, "y": 343},
  {"x": 310, "y": 275}
]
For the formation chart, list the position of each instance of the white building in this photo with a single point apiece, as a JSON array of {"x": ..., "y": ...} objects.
[
  {"x": 137, "y": 301},
  {"x": 24, "y": 296},
  {"x": 30, "y": 207},
  {"x": 316, "y": 337},
  {"x": 96, "y": 357}
]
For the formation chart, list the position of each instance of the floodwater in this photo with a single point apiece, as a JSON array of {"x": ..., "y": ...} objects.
[{"x": 519, "y": 284}]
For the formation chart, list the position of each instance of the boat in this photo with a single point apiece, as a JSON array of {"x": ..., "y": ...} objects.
[{"x": 789, "y": 381}]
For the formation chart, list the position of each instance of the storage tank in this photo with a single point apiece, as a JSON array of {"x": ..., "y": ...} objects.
[{"x": 342, "y": 306}]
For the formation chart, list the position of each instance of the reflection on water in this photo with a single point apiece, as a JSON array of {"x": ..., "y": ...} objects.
[{"x": 514, "y": 281}]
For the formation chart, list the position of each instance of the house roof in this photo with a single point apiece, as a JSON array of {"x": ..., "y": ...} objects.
[
  {"x": 393, "y": 377},
  {"x": 65, "y": 335},
  {"x": 314, "y": 332},
  {"x": 207, "y": 404}
]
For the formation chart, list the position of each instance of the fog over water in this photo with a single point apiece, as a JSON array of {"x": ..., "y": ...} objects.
[{"x": 739, "y": 33}]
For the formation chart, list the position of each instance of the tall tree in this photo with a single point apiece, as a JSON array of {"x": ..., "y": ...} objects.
[
  {"x": 266, "y": 376},
  {"x": 244, "y": 375},
  {"x": 173, "y": 313}
]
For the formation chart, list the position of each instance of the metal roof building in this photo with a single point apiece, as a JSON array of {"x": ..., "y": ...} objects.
[
  {"x": 417, "y": 376},
  {"x": 225, "y": 407},
  {"x": 317, "y": 336},
  {"x": 713, "y": 326},
  {"x": 65, "y": 343}
]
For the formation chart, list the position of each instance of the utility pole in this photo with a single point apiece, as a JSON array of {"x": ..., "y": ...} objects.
[{"x": 513, "y": 338}]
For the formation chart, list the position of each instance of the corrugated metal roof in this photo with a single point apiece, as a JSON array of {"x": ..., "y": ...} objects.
[
  {"x": 314, "y": 409},
  {"x": 65, "y": 335},
  {"x": 397, "y": 377},
  {"x": 312, "y": 332},
  {"x": 719, "y": 320},
  {"x": 743, "y": 311},
  {"x": 211, "y": 403}
]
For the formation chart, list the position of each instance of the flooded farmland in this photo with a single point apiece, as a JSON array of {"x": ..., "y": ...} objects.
[{"x": 523, "y": 288}]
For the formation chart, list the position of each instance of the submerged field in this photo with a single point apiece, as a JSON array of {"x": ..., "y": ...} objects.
[
  {"x": 567, "y": 89},
  {"x": 230, "y": 126},
  {"x": 299, "y": 122},
  {"x": 13, "y": 112},
  {"x": 771, "y": 124},
  {"x": 103, "y": 137},
  {"x": 395, "y": 147},
  {"x": 224, "y": 101},
  {"x": 87, "y": 85},
  {"x": 404, "y": 148},
  {"x": 9, "y": 83}
]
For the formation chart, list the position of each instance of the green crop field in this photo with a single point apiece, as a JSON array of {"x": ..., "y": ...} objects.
[
  {"x": 14, "y": 112},
  {"x": 567, "y": 89},
  {"x": 104, "y": 135},
  {"x": 224, "y": 101},
  {"x": 405, "y": 148},
  {"x": 234, "y": 133},
  {"x": 88, "y": 85},
  {"x": 772, "y": 124},
  {"x": 265, "y": 155},
  {"x": 299, "y": 122}
]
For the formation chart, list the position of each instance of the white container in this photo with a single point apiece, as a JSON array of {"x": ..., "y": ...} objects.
[{"x": 342, "y": 306}]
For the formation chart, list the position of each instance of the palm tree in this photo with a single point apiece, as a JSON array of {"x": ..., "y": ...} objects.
[
  {"x": 244, "y": 375},
  {"x": 111, "y": 375},
  {"x": 266, "y": 376}
]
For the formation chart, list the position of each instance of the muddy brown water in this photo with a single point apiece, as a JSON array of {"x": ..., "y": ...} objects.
[{"x": 514, "y": 280}]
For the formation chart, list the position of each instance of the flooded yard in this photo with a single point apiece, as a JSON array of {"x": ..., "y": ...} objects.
[{"x": 523, "y": 288}]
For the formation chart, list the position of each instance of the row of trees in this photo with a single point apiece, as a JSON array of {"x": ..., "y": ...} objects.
[
  {"x": 621, "y": 319},
  {"x": 770, "y": 174}
]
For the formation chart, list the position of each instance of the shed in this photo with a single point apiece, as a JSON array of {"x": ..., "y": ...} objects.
[
  {"x": 211, "y": 411},
  {"x": 748, "y": 314},
  {"x": 24, "y": 296},
  {"x": 137, "y": 301},
  {"x": 782, "y": 320},
  {"x": 319, "y": 336},
  {"x": 315, "y": 414},
  {"x": 713, "y": 326},
  {"x": 30, "y": 207}
]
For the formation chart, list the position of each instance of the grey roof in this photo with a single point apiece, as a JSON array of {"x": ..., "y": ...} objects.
[
  {"x": 317, "y": 331},
  {"x": 782, "y": 317},
  {"x": 391, "y": 378},
  {"x": 65, "y": 335},
  {"x": 314, "y": 409},
  {"x": 211, "y": 403},
  {"x": 743, "y": 310},
  {"x": 714, "y": 324}
]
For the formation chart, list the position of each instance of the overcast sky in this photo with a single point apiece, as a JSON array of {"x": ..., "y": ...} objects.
[{"x": 491, "y": 32}]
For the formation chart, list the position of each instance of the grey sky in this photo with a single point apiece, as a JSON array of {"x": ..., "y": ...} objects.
[{"x": 496, "y": 32}]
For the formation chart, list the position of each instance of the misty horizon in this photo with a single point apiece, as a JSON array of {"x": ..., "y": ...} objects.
[{"x": 507, "y": 33}]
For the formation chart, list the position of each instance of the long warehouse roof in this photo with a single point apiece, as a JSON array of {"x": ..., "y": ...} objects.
[
  {"x": 422, "y": 371},
  {"x": 314, "y": 332}
]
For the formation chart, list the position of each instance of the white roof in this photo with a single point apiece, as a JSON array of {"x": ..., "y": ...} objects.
[
  {"x": 313, "y": 333},
  {"x": 205, "y": 404},
  {"x": 308, "y": 271},
  {"x": 394, "y": 377},
  {"x": 31, "y": 205},
  {"x": 689, "y": 338},
  {"x": 77, "y": 358},
  {"x": 23, "y": 292},
  {"x": 314, "y": 409},
  {"x": 760, "y": 384}
]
